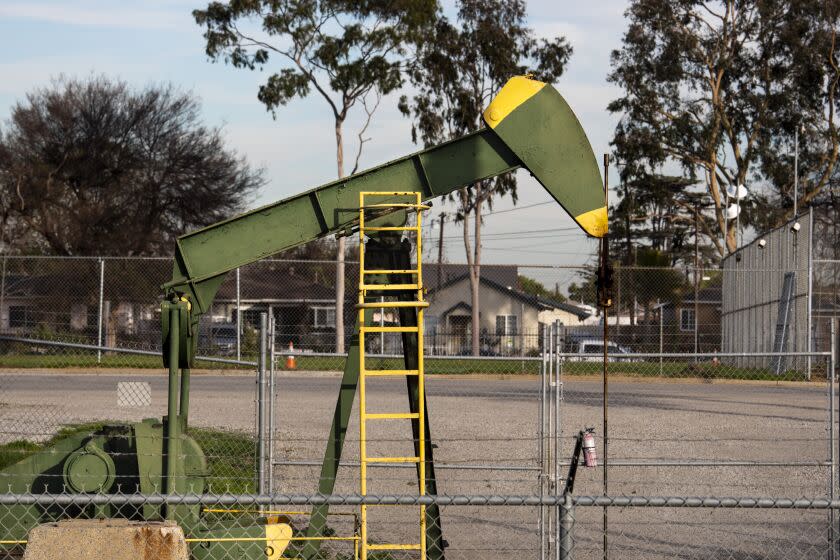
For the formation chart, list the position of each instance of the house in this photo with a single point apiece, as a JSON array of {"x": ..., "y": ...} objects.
[
  {"x": 680, "y": 319},
  {"x": 511, "y": 320}
]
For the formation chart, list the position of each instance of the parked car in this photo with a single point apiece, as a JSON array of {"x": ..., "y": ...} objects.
[
  {"x": 592, "y": 350},
  {"x": 218, "y": 339}
]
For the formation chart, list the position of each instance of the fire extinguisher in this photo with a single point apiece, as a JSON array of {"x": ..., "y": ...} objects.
[{"x": 590, "y": 458}]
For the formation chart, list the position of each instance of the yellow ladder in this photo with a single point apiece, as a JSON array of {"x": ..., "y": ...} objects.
[{"x": 364, "y": 372}]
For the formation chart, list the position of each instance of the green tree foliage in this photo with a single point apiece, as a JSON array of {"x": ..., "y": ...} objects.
[
  {"x": 350, "y": 52},
  {"x": 461, "y": 66},
  {"x": 92, "y": 167},
  {"x": 536, "y": 288},
  {"x": 649, "y": 215},
  {"x": 717, "y": 89}
]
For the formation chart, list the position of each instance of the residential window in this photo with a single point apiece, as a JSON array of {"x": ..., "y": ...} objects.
[
  {"x": 324, "y": 317},
  {"x": 506, "y": 325},
  {"x": 687, "y": 320},
  {"x": 18, "y": 316}
]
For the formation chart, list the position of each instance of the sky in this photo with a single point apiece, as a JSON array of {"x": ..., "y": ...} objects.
[{"x": 154, "y": 41}]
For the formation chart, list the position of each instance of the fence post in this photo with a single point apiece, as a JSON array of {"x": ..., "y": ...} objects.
[
  {"x": 272, "y": 324},
  {"x": 261, "y": 382},
  {"x": 101, "y": 304},
  {"x": 541, "y": 436},
  {"x": 238, "y": 319},
  {"x": 832, "y": 485},
  {"x": 2, "y": 293},
  {"x": 565, "y": 523}
]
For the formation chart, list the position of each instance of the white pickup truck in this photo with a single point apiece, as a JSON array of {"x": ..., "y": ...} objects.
[{"x": 592, "y": 350}]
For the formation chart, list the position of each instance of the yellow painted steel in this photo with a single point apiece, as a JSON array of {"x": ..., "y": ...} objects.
[
  {"x": 594, "y": 222},
  {"x": 390, "y": 287},
  {"x": 391, "y": 372},
  {"x": 392, "y": 416},
  {"x": 380, "y": 304},
  {"x": 517, "y": 91},
  {"x": 364, "y": 415}
]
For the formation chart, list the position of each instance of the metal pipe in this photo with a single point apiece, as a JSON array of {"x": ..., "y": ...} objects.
[
  {"x": 557, "y": 445},
  {"x": 552, "y": 478},
  {"x": 832, "y": 445},
  {"x": 261, "y": 412},
  {"x": 238, "y": 318},
  {"x": 613, "y": 463},
  {"x": 184, "y": 408},
  {"x": 392, "y": 499},
  {"x": 3, "y": 295},
  {"x": 541, "y": 438},
  {"x": 101, "y": 303},
  {"x": 172, "y": 410},
  {"x": 118, "y": 350},
  {"x": 272, "y": 324}
]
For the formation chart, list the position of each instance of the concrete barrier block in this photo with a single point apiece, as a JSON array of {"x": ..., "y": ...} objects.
[{"x": 107, "y": 539}]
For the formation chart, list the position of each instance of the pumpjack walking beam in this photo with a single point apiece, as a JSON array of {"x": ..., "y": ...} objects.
[{"x": 529, "y": 125}]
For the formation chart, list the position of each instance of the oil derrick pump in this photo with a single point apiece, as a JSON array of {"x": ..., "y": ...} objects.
[{"x": 529, "y": 125}]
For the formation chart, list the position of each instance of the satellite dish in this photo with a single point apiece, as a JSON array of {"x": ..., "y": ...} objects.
[
  {"x": 733, "y": 211},
  {"x": 739, "y": 192}
]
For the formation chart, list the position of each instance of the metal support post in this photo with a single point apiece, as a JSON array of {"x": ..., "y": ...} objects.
[
  {"x": 832, "y": 447},
  {"x": 272, "y": 369},
  {"x": 172, "y": 406},
  {"x": 565, "y": 522},
  {"x": 238, "y": 318},
  {"x": 101, "y": 303},
  {"x": 541, "y": 437},
  {"x": 3, "y": 295},
  {"x": 558, "y": 445},
  {"x": 261, "y": 408},
  {"x": 552, "y": 475}
]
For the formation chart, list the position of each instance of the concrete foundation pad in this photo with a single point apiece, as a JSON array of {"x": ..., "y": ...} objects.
[{"x": 106, "y": 539}]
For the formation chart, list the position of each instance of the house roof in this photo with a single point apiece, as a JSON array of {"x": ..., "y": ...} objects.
[
  {"x": 540, "y": 303},
  {"x": 282, "y": 282},
  {"x": 709, "y": 295}
]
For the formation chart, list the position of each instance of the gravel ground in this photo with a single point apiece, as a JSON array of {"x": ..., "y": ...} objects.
[{"x": 487, "y": 420}]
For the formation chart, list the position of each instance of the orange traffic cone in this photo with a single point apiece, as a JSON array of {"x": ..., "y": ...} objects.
[{"x": 290, "y": 358}]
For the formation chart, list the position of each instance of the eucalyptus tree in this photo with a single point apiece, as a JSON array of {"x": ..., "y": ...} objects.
[
  {"x": 349, "y": 53},
  {"x": 718, "y": 89},
  {"x": 461, "y": 65}
]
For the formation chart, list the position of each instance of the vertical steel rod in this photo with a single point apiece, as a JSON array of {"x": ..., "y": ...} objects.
[
  {"x": 604, "y": 247},
  {"x": 238, "y": 318},
  {"x": 261, "y": 382},
  {"x": 271, "y": 397},
  {"x": 832, "y": 449},
  {"x": 552, "y": 478},
  {"x": 541, "y": 439},
  {"x": 557, "y": 442},
  {"x": 101, "y": 303},
  {"x": 3, "y": 295}
]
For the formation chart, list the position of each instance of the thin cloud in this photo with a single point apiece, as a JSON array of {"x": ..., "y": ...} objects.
[{"x": 109, "y": 14}]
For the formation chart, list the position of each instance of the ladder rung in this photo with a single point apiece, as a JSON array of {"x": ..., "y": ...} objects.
[
  {"x": 389, "y": 372},
  {"x": 388, "y": 329},
  {"x": 393, "y": 416},
  {"x": 389, "y": 193},
  {"x": 389, "y": 286},
  {"x": 408, "y": 271},
  {"x": 392, "y": 459},
  {"x": 380, "y": 304},
  {"x": 390, "y": 228},
  {"x": 396, "y": 205},
  {"x": 393, "y": 547}
]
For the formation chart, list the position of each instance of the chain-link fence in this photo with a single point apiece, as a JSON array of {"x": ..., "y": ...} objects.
[{"x": 481, "y": 526}]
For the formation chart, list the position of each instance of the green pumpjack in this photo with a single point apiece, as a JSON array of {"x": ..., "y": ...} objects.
[{"x": 529, "y": 126}]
